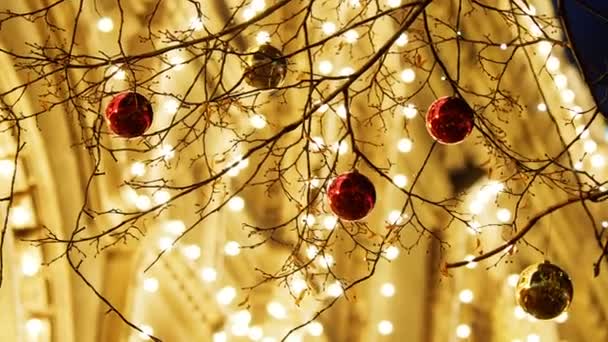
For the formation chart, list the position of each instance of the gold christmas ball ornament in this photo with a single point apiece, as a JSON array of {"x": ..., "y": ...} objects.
[
  {"x": 265, "y": 67},
  {"x": 544, "y": 290}
]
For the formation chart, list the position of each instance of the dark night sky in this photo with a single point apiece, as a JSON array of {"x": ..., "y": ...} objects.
[{"x": 590, "y": 34}]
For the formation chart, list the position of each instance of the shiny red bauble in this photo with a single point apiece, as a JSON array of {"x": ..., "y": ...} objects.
[
  {"x": 351, "y": 196},
  {"x": 129, "y": 114},
  {"x": 449, "y": 120}
]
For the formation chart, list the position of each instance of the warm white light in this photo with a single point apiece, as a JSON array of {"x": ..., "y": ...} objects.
[
  {"x": 143, "y": 202},
  {"x": 568, "y": 95},
  {"x": 347, "y": 71},
  {"x": 232, "y": 248},
  {"x": 105, "y": 24},
  {"x": 175, "y": 227},
  {"x": 161, "y": 197},
  {"x": 242, "y": 317},
  {"x": 315, "y": 328},
  {"x": 167, "y": 151},
  {"x": 354, "y": 3},
  {"x": 391, "y": 253},
  {"x": 404, "y": 145},
  {"x": 533, "y": 338},
  {"x": 408, "y": 75},
  {"x": 323, "y": 108},
  {"x": 598, "y": 160},
  {"x": 192, "y": 252},
  {"x": 329, "y": 28},
  {"x": 519, "y": 312},
  {"x": 262, "y": 37},
  {"x": 257, "y": 121},
  {"x": 544, "y": 47},
  {"x": 535, "y": 30},
  {"x": 150, "y": 285},
  {"x": 512, "y": 279},
  {"x": 236, "y": 203},
  {"x": 409, "y": 111},
  {"x": 312, "y": 251},
  {"x": 473, "y": 227},
  {"x": 578, "y": 165},
  {"x": 146, "y": 332},
  {"x": 400, "y": 180},
  {"x": 471, "y": 264},
  {"x": 351, "y": 36},
  {"x": 239, "y": 330},
  {"x": 552, "y": 63},
  {"x": 503, "y": 46},
  {"x": 394, "y": 217},
  {"x": 171, "y": 106},
  {"x": 503, "y": 215},
  {"x": 604, "y": 224},
  {"x": 562, "y": 318},
  {"x": 258, "y": 5},
  {"x": 542, "y": 107},
  {"x": 341, "y": 111},
  {"x": 298, "y": 285},
  {"x": 476, "y": 207},
  {"x": 30, "y": 263},
  {"x": 463, "y": 331},
  {"x": 220, "y": 337},
  {"x": 340, "y": 147},
  {"x": 385, "y": 327},
  {"x": 248, "y": 13},
  {"x": 196, "y": 24},
  {"x": 317, "y": 144},
  {"x": 325, "y": 67},
  {"x": 466, "y": 296},
  {"x": 589, "y": 146},
  {"x": 208, "y": 274},
  {"x": 561, "y": 81},
  {"x": 387, "y": 290},
  {"x": 177, "y": 62},
  {"x": 393, "y": 3},
  {"x": 7, "y": 167},
  {"x": 165, "y": 243},
  {"x": 402, "y": 40},
  {"x": 226, "y": 295},
  {"x": 335, "y": 289},
  {"x": 276, "y": 310},
  {"x": 326, "y": 261},
  {"x": 329, "y": 222},
  {"x": 34, "y": 327},
  {"x": 20, "y": 216},
  {"x": 309, "y": 220},
  {"x": 256, "y": 333}
]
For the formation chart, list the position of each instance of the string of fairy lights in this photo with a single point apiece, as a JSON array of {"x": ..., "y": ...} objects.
[{"x": 590, "y": 149}]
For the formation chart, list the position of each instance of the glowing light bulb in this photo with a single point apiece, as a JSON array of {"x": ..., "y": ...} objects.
[
  {"x": 248, "y": 13},
  {"x": 258, "y": 5},
  {"x": 317, "y": 144},
  {"x": 512, "y": 279},
  {"x": 298, "y": 285},
  {"x": 208, "y": 274},
  {"x": 175, "y": 227},
  {"x": 171, "y": 106},
  {"x": 7, "y": 167},
  {"x": 503, "y": 215},
  {"x": 533, "y": 338},
  {"x": 542, "y": 107},
  {"x": 402, "y": 40},
  {"x": 161, "y": 197},
  {"x": 220, "y": 337},
  {"x": 167, "y": 152},
  {"x": 232, "y": 248},
  {"x": 177, "y": 62},
  {"x": 34, "y": 327},
  {"x": 544, "y": 47},
  {"x": 20, "y": 216},
  {"x": 387, "y": 290},
  {"x": 150, "y": 285},
  {"x": 385, "y": 327},
  {"x": 598, "y": 161},
  {"x": 463, "y": 331},
  {"x": 347, "y": 71},
  {"x": 196, "y": 24},
  {"x": 143, "y": 202},
  {"x": 335, "y": 290},
  {"x": 393, "y": 3},
  {"x": 519, "y": 312},
  {"x": 590, "y": 146},
  {"x": 351, "y": 36},
  {"x": 394, "y": 217},
  {"x": 105, "y": 24},
  {"x": 325, "y": 67},
  {"x": 409, "y": 111},
  {"x": 255, "y": 333},
  {"x": 578, "y": 165},
  {"x": 30, "y": 263},
  {"x": 476, "y": 207},
  {"x": 315, "y": 328},
  {"x": 605, "y": 224},
  {"x": 404, "y": 145},
  {"x": 165, "y": 243},
  {"x": 309, "y": 219},
  {"x": 276, "y": 310},
  {"x": 226, "y": 295},
  {"x": 552, "y": 64},
  {"x": 326, "y": 261},
  {"x": 503, "y": 46},
  {"x": 562, "y": 318},
  {"x": 323, "y": 108},
  {"x": 408, "y": 75},
  {"x": 466, "y": 296},
  {"x": 473, "y": 227},
  {"x": 471, "y": 264},
  {"x": 400, "y": 180},
  {"x": 567, "y": 95},
  {"x": 329, "y": 28},
  {"x": 561, "y": 81},
  {"x": 146, "y": 332},
  {"x": 312, "y": 251},
  {"x": 192, "y": 252},
  {"x": 262, "y": 37},
  {"x": 329, "y": 222},
  {"x": 391, "y": 253},
  {"x": 257, "y": 121},
  {"x": 341, "y": 111},
  {"x": 138, "y": 169},
  {"x": 236, "y": 203}
]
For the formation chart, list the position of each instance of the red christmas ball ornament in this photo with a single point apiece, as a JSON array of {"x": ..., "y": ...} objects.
[
  {"x": 449, "y": 120},
  {"x": 351, "y": 196},
  {"x": 129, "y": 114}
]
